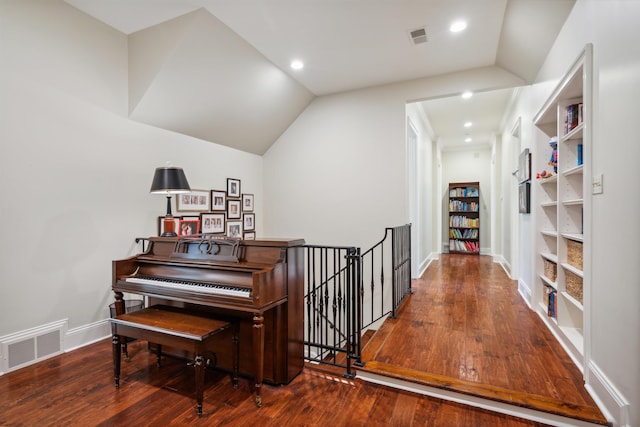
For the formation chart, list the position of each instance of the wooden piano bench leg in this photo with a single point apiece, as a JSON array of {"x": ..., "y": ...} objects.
[
  {"x": 258, "y": 354},
  {"x": 116, "y": 359},
  {"x": 199, "y": 365},
  {"x": 236, "y": 354}
]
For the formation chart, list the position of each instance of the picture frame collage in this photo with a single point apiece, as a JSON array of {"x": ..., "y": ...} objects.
[{"x": 227, "y": 212}]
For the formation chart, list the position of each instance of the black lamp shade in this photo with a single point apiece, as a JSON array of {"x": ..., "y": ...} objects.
[{"x": 169, "y": 180}]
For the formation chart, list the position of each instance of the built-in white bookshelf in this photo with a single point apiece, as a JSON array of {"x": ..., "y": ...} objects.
[{"x": 562, "y": 208}]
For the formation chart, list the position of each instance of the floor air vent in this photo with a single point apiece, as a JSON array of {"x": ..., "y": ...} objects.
[{"x": 31, "y": 346}]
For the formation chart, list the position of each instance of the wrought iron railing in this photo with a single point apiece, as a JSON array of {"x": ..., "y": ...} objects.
[
  {"x": 347, "y": 292},
  {"x": 331, "y": 304}
]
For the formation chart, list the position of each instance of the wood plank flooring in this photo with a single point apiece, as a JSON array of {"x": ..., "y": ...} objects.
[
  {"x": 76, "y": 389},
  {"x": 466, "y": 328},
  {"x": 465, "y": 324}
]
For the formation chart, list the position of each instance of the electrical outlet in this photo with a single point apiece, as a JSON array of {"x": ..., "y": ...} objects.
[{"x": 596, "y": 184}]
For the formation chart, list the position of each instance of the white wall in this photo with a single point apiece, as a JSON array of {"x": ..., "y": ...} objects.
[
  {"x": 424, "y": 185},
  {"x": 496, "y": 200},
  {"x": 613, "y": 349},
  {"x": 520, "y": 256},
  {"x": 75, "y": 172},
  {"x": 337, "y": 175},
  {"x": 341, "y": 183},
  {"x": 468, "y": 166}
]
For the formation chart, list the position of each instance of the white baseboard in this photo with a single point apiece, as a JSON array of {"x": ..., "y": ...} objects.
[
  {"x": 32, "y": 345},
  {"x": 87, "y": 334},
  {"x": 24, "y": 348},
  {"x": 525, "y": 292},
  {"x": 610, "y": 401},
  {"x": 499, "y": 259},
  {"x": 426, "y": 262}
]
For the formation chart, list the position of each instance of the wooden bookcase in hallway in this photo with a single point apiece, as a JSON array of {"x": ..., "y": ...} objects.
[
  {"x": 562, "y": 208},
  {"x": 464, "y": 217}
]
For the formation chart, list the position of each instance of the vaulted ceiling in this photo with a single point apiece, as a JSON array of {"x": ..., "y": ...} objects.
[{"x": 219, "y": 70}]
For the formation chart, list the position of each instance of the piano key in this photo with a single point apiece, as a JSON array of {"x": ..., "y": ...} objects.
[{"x": 210, "y": 288}]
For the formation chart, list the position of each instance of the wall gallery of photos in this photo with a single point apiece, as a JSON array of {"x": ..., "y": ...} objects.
[{"x": 225, "y": 212}]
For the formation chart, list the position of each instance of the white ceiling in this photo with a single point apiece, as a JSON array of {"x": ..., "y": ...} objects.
[
  {"x": 351, "y": 44},
  {"x": 484, "y": 111}
]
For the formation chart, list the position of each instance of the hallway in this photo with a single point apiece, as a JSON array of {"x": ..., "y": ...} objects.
[{"x": 466, "y": 328}]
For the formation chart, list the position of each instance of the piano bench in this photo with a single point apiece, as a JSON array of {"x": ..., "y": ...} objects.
[{"x": 175, "y": 327}]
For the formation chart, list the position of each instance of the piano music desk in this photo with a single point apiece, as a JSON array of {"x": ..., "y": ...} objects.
[{"x": 174, "y": 327}]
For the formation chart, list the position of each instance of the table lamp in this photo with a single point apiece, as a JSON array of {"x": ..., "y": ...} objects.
[{"x": 169, "y": 180}]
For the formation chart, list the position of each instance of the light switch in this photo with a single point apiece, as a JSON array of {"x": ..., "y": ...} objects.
[{"x": 596, "y": 184}]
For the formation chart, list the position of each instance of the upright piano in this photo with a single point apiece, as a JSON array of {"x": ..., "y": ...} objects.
[{"x": 258, "y": 281}]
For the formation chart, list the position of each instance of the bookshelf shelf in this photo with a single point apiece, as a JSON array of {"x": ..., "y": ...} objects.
[
  {"x": 548, "y": 282},
  {"x": 572, "y": 269},
  {"x": 573, "y": 236},
  {"x": 551, "y": 257},
  {"x": 551, "y": 180},
  {"x": 576, "y": 133},
  {"x": 562, "y": 205},
  {"x": 464, "y": 217},
  {"x": 572, "y": 300},
  {"x": 574, "y": 170},
  {"x": 574, "y": 336}
]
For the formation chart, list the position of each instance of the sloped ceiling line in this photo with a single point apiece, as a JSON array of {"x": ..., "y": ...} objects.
[
  {"x": 209, "y": 83},
  {"x": 149, "y": 50}
]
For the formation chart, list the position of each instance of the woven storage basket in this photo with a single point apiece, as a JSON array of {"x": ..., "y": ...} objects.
[
  {"x": 550, "y": 270},
  {"x": 574, "y": 253},
  {"x": 573, "y": 285}
]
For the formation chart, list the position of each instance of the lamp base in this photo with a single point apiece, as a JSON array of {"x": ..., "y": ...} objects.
[{"x": 169, "y": 227}]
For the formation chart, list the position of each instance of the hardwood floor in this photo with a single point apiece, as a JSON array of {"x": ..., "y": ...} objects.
[
  {"x": 466, "y": 328},
  {"x": 77, "y": 389}
]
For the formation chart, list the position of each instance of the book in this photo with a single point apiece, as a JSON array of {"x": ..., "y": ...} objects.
[
  {"x": 579, "y": 154},
  {"x": 573, "y": 117}
]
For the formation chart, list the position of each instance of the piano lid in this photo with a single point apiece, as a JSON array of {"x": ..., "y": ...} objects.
[{"x": 208, "y": 249}]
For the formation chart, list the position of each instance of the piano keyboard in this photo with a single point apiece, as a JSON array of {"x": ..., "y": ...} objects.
[{"x": 208, "y": 288}]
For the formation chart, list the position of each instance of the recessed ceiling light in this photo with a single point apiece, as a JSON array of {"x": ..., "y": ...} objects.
[
  {"x": 297, "y": 64},
  {"x": 468, "y": 124},
  {"x": 467, "y": 95},
  {"x": 467, "y": 139},
  {"x": 458, "y": 26}
]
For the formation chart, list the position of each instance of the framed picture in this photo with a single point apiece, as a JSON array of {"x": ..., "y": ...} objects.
[
  {"x": 249, "y": 221},
  {"x": 250, "y": 235},
  {"x": 176, "y": 219},
  {"x": 247, "y": 202},
  {"x": 524, "y": 166},
  {"x": 234, "y": 229},
  {"x": 196, "y": 201},
  {"x": 218, "y": 200},
  {"x": 233, "y": 209},
  {"x": 233, "y": 187},
  {"x": 212, "y": 222},
  {"x": 524, "y": 197},
  {"x": 189, "y": 227}
]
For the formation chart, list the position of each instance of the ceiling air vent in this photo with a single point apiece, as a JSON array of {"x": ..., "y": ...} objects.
[{"x": 418, "y": 36}]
